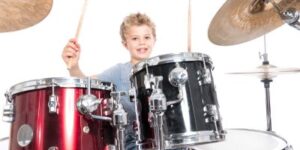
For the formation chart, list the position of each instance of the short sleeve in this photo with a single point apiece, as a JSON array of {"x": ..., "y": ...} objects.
[{"x": 110, "y": 75}]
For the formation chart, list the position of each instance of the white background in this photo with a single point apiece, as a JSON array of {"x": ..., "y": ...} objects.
[{"x": 35, "y": 53}]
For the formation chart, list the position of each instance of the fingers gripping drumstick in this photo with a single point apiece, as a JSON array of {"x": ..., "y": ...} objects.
[{"x": 78, "y": 28}]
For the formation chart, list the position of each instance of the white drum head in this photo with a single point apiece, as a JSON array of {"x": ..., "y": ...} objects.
[{"x": 245, "y": 139}]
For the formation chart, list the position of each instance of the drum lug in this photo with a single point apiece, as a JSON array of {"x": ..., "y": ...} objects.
[
  {"x": 8, "y": 110},
  {"x": 211, "y": 115},
  {"x": 53, "y": 102},
  {"x": 147, "y": 81},
  {"x": 132, "y": 94},
  {"x": 204, "y": 76}
]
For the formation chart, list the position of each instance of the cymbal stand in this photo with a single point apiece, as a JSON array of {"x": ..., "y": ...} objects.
[
  {"x": 267, "y": 82},
  {"x": 268, "y": 103}
]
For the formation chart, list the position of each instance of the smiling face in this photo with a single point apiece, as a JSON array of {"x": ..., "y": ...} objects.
[
  {"x": 138, "y": 35},
  {"x": 139, "y": 40}
]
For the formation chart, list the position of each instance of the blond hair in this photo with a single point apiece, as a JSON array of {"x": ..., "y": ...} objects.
[{"x": 136, "y": 19}]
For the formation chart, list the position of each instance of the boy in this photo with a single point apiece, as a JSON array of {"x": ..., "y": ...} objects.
[{"x": 138, "y": 37}]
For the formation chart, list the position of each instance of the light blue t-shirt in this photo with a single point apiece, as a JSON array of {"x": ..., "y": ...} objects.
[{"x": 120, "y": 76}]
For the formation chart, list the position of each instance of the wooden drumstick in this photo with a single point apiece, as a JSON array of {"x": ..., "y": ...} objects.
[
  {"x": 81, "y": 18},
  {"x": 189, "y": 28},
  {"x": 79, "y": 27}
]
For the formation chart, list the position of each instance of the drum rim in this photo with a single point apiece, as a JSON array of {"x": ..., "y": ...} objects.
[
  {"x": 259, "y": 131},
  {"x": 171, "y": 58},
  {"x": 61, "y": 82},
  {"x": 275, "y": 136}
]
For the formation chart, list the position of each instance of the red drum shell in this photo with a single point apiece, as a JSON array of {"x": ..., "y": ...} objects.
[{"x": 65, "y": 130}]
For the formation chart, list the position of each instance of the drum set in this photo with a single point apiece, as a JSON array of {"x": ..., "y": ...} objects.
[
  {"x": 175, "y": 102},
  {"x": 175, "y": 99}
]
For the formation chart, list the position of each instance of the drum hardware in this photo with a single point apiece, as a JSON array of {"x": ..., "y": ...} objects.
[
  {"x": 132, "y": 93},
  {"x": 241, "y": 21},
  {"x": 135, "y": 124},
  {"x": 266, "y": 82},
  {"x": 16, "y": 15},
  {"x": 211, "y": 115},
  {"x": 8, "y": 110},
  {"x": 268, "y": 103},
  {"x": 4, "y": 138},
  {"x": 157, "y": 106},
  {"x": 119, "y": 119},
  {"x": 179, "y": 97},
  {"x": 151, "y": 62},
  {"x": 178, "y": 76},
  {"x": 267, "y": 72},
  {"x": 25, "y": 135},
  {"x": 89, "y": 103},
  {"x": 247, "y": 139},
  {"x": 53, "y": 102},
  {"x": 132, "y": 96},
  {"x": 86, "y": 129},
  {"x": 147, "y": 79},
  {"x": 204, "y": 75},
  {"x": 53, "y": 148},
  {"x": 289, "y": 15}
]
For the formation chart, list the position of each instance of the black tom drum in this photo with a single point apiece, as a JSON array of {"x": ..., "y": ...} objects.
[{"x": 190, "y": 111}]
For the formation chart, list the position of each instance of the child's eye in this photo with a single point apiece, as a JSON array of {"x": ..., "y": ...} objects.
[{"x": 134, "y": 38}]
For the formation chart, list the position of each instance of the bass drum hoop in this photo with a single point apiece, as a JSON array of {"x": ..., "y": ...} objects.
[{"x": 281, "y": 145}]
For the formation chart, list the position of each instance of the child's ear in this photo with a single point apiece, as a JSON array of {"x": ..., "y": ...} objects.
[{"x": 124, "y": 43}]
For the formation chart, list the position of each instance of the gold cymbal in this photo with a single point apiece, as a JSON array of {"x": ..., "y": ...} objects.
[
  {"x": 239, "y": 21},
  {"x": 20, "y": 14},
  {"x": 268, "y": 71}
]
